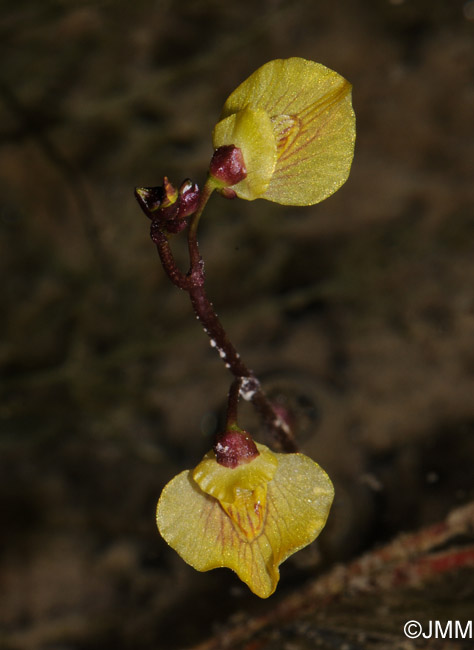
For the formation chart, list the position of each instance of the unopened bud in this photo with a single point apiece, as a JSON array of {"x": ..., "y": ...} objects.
[
  {"x": 233, "y": 448},
  {"x": 168, "y": 205},
  {"x": 228, "y": 165},
  {"x": 158, "y": 202},
  {"x": 149, "y": 199},
  {"x": 188, "y": 198}
]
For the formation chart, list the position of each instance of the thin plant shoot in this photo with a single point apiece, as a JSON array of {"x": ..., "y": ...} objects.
[{"x": 286, "y": 134}]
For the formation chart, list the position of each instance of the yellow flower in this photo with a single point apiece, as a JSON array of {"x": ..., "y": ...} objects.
[
  {"x": 294, "y": 123},
  {"x": 249, "y": 518}
]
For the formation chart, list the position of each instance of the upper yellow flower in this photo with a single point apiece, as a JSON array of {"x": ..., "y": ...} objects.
[
  {"x": 294, "y": 123},
  {"x": 249, "y": 517}
]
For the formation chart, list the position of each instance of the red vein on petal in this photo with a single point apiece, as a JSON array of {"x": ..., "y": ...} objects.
[{"x": 329, "y": 104}]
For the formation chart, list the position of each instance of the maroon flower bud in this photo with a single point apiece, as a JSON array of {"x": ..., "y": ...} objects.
[
  {"x": 167, "y": 205},
  {"x": 228, "y": 165},
  {"x": 188, "y": 199},
  {"x": 150, "y": 199},
  {"x": 158, "y": 202},
  {"x": 233, "y": 448}
]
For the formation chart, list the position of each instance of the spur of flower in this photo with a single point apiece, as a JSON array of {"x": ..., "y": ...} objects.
[
  {"x": 245, "y": 508},
  {"x": 293, "y": 122}
]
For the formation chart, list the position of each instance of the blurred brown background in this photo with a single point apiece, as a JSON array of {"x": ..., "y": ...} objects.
[{"x": 358, "y": 313}]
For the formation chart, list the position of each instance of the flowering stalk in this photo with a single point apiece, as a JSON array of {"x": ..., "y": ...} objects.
[
  {"x": 193, "y": 283},
  {"x": 286, "y": 134}
]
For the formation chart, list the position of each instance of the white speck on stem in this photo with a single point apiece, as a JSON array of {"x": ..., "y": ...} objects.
[
  {"x": 279, "y": 423},
  {"x": 248, "y": 387}
]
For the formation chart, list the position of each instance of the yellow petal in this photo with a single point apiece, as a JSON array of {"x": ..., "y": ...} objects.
[
  {"x": 198, "y": 528},
  {"x": 251, "y": 130},
  {"x": 313, "y": 124},
  {"x": 224, "y": 482},
  {"x": 298, "y": 503}
]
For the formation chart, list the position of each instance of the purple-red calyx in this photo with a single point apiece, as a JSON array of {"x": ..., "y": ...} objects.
[
  {"x": 168, "y": 205},
  {"x": 228, "y": 165},
  {"x": 234, "y": 447}
]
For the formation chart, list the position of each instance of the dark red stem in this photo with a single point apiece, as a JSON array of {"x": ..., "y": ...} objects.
[{"x": 193, "y": 283}]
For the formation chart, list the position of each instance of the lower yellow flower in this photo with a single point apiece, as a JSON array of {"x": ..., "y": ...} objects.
[{"x": 249, "y": 518}]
